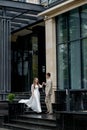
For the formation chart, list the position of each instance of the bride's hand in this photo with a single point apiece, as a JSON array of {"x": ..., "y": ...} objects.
[{"x": 43, "y": 83}]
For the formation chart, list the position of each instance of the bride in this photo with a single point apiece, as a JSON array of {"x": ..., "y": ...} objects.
[{"x": 34, "y": 101}]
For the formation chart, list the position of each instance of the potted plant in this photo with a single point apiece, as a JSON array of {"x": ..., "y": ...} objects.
[{"x": 11, "y": 97}]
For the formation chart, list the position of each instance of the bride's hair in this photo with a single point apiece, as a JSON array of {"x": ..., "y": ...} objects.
[{"x": 34, "y": 82}]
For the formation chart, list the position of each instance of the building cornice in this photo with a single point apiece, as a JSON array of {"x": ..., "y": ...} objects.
[
  {"x": 62, "y": 8},
  {"x": 55, "y": 7}
]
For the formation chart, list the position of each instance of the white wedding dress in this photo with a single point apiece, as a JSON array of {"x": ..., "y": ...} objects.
[{"x": 34, "y": 101}]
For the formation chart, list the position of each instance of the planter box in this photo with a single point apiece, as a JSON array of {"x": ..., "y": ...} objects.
[{"x": 15, "y": 109}]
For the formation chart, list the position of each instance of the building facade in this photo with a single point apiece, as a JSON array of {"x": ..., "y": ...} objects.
[
  {"x": 66, "y": 34},
  {"x": 51, "y": 39},
  {"x": 22, "y": 36}
]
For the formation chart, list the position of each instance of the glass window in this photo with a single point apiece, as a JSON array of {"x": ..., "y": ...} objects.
[
  {"x": 52, "y": 1},
  {"x": 63, "y": 66},
  {"x": 62, "y": 29},
  {"x": 84, "y": 21},
  {"x": 72, "y": 62},
  {"x": 84, "y": 50},
  {"x": 75, "y": 65},
  {"x": 74, "y": 25}
]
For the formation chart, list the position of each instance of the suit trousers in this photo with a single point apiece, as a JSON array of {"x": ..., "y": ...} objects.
[{"x": 48, "y": 103}]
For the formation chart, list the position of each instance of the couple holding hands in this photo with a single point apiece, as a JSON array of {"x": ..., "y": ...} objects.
[{"x": 34, "y": 101}]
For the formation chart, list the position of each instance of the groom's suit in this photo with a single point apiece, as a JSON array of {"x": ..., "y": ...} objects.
[{"x": 48, "y": 92}]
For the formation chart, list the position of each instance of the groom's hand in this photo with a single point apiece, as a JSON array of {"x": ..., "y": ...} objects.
[
  {"x": 43, "y": 83},
  {"x": 46, "y": 95}
]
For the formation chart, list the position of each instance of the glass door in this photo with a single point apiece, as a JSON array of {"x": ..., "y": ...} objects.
[{"x": 21, "y": 68}]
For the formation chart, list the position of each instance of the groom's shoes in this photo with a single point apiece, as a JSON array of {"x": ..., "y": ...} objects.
[
  {"x": 46, "y": 112},
  {"x": 50, "y": 113}
]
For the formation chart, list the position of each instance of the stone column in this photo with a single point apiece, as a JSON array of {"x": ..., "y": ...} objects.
[
  {"x": 51, "y": 51},
  {"x": 5, "y": 56}
]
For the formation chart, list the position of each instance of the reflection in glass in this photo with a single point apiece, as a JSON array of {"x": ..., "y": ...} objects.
[
  {"x": 74, "y": 25},
  {"x": 62, "y": 29},
  {"x": 62, "y": 67},
  {"x": 35, "y": 56},
  {"x": 84, "y": 21},
  {"x": 23, "y": 63},
  {"x": 75, "y": 65},
  {"x": 52, "y": 1},
  {"x": 71, "y": 29},
  {"x": 84, "y": 50}
]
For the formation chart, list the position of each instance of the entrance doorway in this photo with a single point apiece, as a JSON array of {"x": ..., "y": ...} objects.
[{"x": 28, "y": 60}]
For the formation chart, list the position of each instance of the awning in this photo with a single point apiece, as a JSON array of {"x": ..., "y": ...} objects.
[{"x": 21, "y": 14}]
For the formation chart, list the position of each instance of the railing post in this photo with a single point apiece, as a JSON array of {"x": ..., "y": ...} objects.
[{"x": 67, "y": 100}]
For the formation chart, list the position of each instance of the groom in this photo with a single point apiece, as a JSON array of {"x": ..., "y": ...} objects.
[{"x": 48, "y": 93}]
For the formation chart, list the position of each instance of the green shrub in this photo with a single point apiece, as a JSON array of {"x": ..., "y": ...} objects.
[{"x": 10, "y": 97}]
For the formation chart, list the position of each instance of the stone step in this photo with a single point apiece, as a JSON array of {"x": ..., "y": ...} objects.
[
  {"x": 18, "y": 97},
  {"x": 29, "y": 110},
  {"x": 3, "y": 112},
  {"x": 41, "y": 99},
  {"x": 4, "y": 129},
  {"x": 28, "y": 94},
  {"x": 45, "y": 118},
  {"x": 34, "y": 123},
  {"x": 19, "y": 127}
]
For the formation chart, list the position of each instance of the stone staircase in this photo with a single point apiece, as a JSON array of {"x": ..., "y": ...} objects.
[{"x": 30, "y": 120}]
